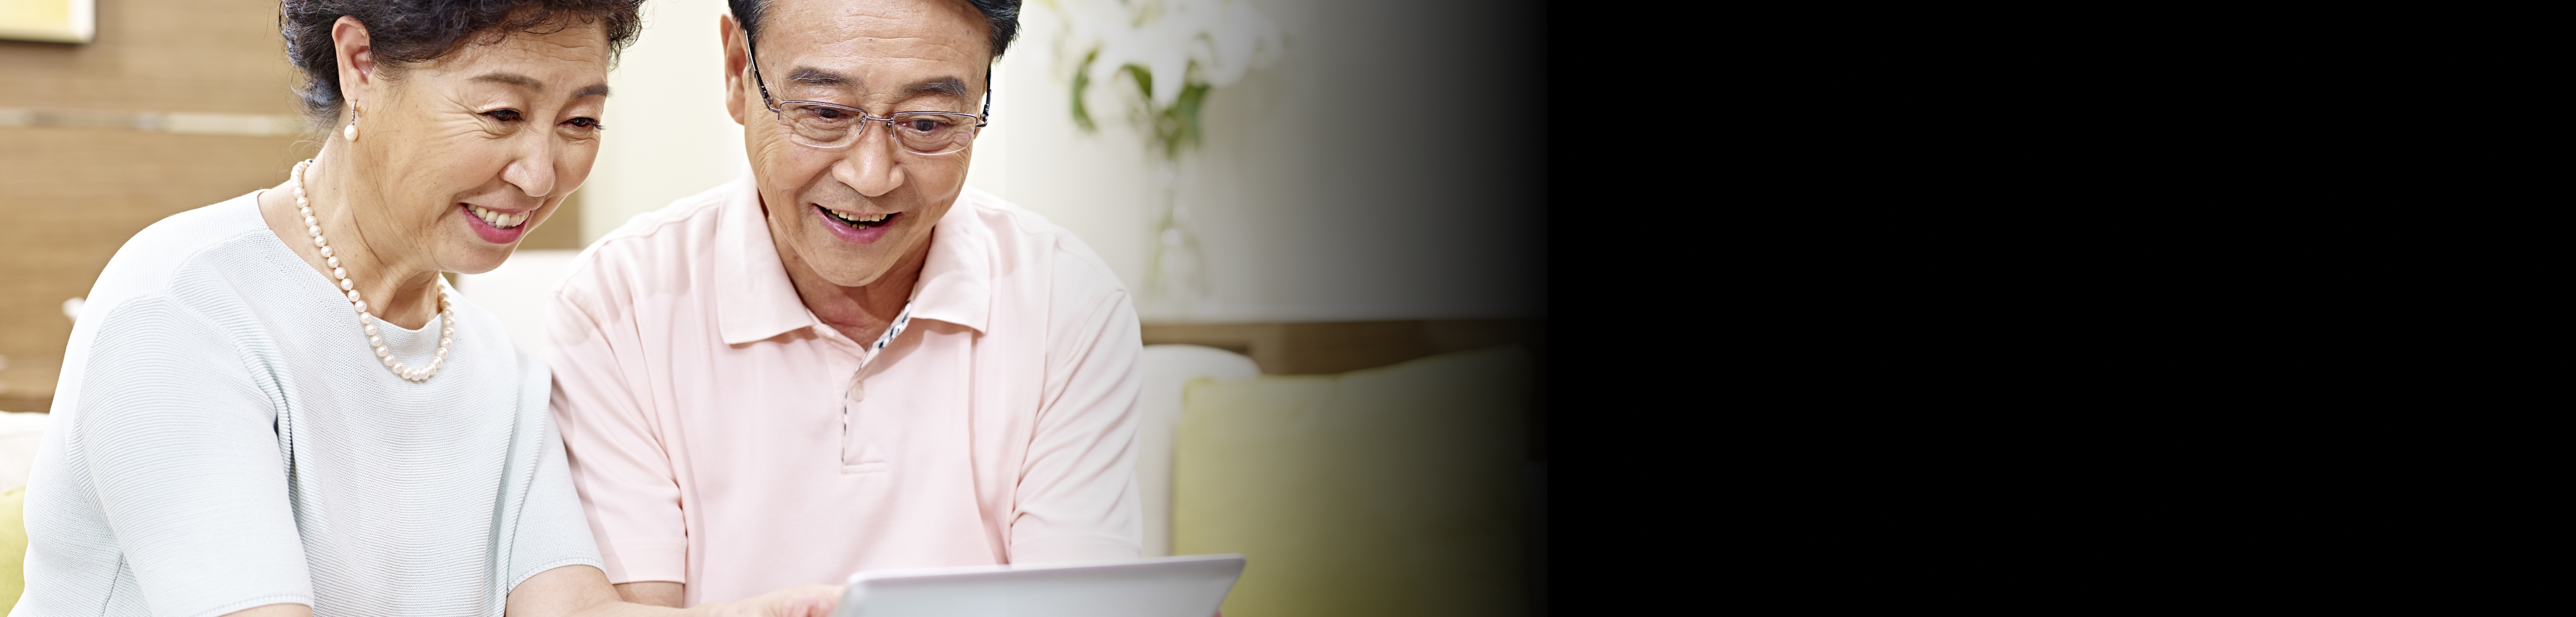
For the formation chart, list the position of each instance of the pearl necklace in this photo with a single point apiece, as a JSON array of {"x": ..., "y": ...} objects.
[{"x": 446, "y": 305}]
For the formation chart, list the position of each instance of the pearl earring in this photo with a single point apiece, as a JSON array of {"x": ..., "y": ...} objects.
[{"x": 352, "y": 131}]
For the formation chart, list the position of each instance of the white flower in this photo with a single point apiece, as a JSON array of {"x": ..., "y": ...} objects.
[{"x": 1221, "y": 39}]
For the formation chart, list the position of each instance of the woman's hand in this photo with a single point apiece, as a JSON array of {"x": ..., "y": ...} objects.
[{"x": 803, "y": 601}]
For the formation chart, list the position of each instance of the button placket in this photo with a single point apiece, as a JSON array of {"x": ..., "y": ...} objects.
[{"x": 857, "y": 392}]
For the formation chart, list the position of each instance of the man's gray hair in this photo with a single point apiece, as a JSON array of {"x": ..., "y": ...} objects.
[{"x": 1003, "y": 15}]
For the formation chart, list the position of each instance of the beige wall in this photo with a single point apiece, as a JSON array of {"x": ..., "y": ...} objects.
[
  {"x": 1373, "y": 173},
  {"x": 668, "y": 136}
]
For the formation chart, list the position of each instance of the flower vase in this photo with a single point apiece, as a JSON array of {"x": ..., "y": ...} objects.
[{"x": 1176, "y": 283}]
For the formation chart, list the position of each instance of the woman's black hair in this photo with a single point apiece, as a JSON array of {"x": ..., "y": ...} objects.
[
  {"x": 1002, "y": 15},
  {"x": 408, "y": 32}
]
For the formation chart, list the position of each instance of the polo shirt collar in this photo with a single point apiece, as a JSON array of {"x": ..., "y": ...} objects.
[
  {"x": 756, "y": 301},
  {"x": 956, "y": 283}
]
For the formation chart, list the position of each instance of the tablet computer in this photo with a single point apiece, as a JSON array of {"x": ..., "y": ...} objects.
[{"x": 1186, "y": 586}]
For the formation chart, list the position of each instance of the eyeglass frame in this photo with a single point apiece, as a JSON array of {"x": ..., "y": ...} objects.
[{"x": 779, "y": 107}]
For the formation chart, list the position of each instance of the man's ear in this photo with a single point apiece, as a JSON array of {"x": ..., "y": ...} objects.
[
  {"x": 357, "y": 55},
  {"x": 735, "y": 58}
]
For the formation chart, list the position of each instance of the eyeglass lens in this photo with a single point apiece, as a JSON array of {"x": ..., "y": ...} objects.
[{"x": 921, "y": 133}]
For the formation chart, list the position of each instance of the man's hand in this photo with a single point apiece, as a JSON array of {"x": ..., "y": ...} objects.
[
  {"x": 803, "y": 601},
  {"x": 582, "y": 591},
  {"x": 652, "y": 593}
]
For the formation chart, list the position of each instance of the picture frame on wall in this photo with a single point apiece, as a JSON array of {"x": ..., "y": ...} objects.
[{"x": 49, "y": 21}]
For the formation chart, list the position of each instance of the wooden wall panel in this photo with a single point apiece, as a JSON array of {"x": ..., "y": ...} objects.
[
  {"x": 72, "y": 196},
  {"x": 219, "y": 56},
  {"x": 1317, "y": 348}
]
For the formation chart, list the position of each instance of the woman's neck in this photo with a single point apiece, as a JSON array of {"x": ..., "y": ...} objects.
[{"x": 397, "y": 280}]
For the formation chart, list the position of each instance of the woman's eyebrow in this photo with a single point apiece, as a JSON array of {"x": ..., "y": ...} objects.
[
  {"x": 514, "y": 79},
  {"x": 590, "y": 91}
]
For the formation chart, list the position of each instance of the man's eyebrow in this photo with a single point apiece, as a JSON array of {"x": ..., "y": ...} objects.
[
  {"x": 591, "y": 91},
  {"x": 817, "y": 77},
  {"x": 811, "y": 76},
  {"x": 945, "y": 85},
  {"x": 513, "y": 79}
]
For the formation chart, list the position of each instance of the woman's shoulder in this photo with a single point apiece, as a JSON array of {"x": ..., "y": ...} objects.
[
  {"x": 204, "y": 273},
  {"x": 150, "y": 261}
]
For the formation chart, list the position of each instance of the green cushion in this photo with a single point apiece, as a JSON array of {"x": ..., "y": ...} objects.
[
  {"x": 1389, "y": 491},
  {"x": 13, "y": 545}
]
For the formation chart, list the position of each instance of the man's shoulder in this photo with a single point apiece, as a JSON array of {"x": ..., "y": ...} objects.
[
  {"x": 686, "y": 221},
  {"x": 1024, "y": 237},
  {"x": 654, "y": 245}
]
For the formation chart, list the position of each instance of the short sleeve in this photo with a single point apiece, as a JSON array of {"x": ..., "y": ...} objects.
[
  {"x": 552, "y": 531},
  {"x": 1078, "y": 494},
  {"x": 624, "y": 477},
  {"x": 179, "y": 442}
]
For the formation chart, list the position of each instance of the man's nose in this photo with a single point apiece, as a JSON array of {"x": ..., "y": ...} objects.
[{"x": 871, "y": 166}]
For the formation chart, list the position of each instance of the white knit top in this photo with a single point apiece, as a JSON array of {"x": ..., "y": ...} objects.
[{"x": 224, "y": 438}]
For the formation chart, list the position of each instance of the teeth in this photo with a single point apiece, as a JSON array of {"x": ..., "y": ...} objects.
[
  {"x": 876, "y": 218},
  {"x": 499, "y": 219}
]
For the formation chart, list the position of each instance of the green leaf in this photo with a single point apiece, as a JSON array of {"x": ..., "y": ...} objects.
[{"x": 1081, "y": 82}]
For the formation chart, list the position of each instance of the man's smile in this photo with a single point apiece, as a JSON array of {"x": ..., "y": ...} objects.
[
  {"x": 861, "y": 221},
  {"x": 856, "y": 228}
]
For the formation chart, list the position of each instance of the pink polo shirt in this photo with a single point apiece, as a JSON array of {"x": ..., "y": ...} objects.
[{"x": 704, "y": 407}]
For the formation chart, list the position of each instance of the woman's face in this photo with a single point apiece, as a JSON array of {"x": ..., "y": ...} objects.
[{"x": 466, "y": 153}]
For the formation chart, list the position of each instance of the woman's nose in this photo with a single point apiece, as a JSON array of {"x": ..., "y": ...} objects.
[{"x": 533, "y": 171}]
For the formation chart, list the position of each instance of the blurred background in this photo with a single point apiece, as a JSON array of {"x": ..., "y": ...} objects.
[{"x": 1332, "y": 223}]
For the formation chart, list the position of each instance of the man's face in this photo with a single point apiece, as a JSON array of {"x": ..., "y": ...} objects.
[{"x": 850, "y": 213}]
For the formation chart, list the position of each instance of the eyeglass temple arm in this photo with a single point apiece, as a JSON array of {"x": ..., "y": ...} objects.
[{"x": 754, "y": 52}]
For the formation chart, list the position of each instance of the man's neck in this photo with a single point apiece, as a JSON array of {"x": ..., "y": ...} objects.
[{"x": 862, "y": 312}]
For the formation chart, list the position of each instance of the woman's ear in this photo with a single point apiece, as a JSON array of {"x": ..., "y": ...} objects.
[{"x": 357, "y": 57}]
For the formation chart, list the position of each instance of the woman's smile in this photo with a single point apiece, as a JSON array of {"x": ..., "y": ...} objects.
[{"x": 497, "y": 226}]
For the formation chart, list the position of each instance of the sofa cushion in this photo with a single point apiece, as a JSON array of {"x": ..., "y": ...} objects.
[{"x": 1388, "y": 491}]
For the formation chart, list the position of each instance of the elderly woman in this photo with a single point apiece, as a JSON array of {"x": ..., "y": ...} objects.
[{"x": 275, "y": 407}]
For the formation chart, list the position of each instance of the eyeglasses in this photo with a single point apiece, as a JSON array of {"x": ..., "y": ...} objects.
[{"x": 817, "y": 124}]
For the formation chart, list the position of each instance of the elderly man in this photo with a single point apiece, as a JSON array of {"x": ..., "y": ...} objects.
[{"x": 846, "y": 360}]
